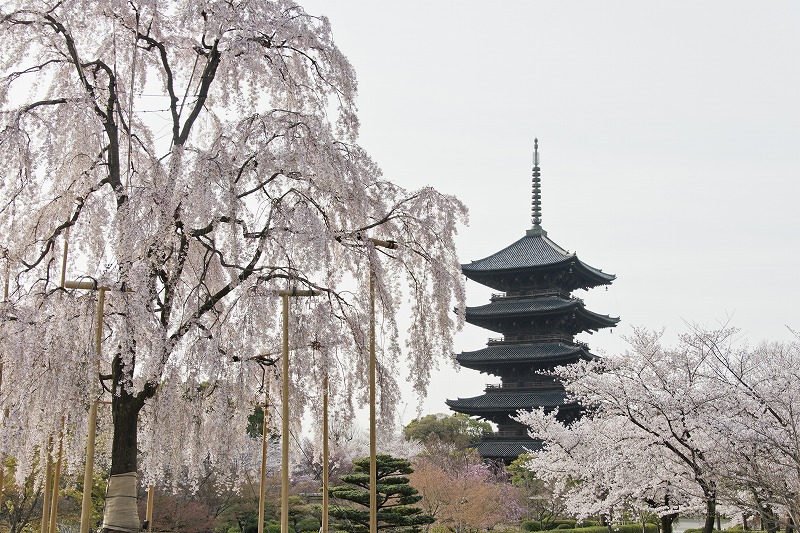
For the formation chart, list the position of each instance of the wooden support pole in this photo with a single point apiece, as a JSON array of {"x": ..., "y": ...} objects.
[
  {"x": 262, "y": 493},
  {"x": 285, "y": 407},
  {"x": 88, "y": 473},
  {"x": 51, "y": 528},
  {"x": 151, "y": 489},
  {"x": 2, "y": 459},
  {"x": 56, "y": 480},
  {"x": 98, "y": 330},
  {"x": 48, "y": 480},
  {"x": 325, "y": 472},
  {"x": 83, "y": 284},
  {"x": 5, "y": 413},
  {"x": 373, "y": 463},
  {"x": 285, "y": 420}
]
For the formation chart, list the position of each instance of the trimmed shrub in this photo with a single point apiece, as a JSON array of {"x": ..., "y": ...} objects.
[
  {"x": 548, "y": 525},
  {"x": 619, "y": 528},
  {"x": 272, "y": 527},
  {"x": 308, "y": 524}
]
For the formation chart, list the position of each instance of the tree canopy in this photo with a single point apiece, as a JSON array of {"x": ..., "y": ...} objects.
[
  {"x": 458, "y": 429},
  {"x": 196, "y": 157},
  {"x": 679, "y": 429}
]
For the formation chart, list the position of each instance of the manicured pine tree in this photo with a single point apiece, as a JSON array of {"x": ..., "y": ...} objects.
[{"x": 395, "y": 497}]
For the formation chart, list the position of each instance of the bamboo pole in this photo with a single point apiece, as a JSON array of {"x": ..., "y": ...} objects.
[
  {"x": 149, "y": 513},
  {"x": 48, "y": 479},
  {"x": 57, "y": 480},
  {"x": 263, "y": 484},
  {"x": 373, "y": 463},
  {"x": 285, "y": 421},
  {"x": 2, "y": 459},
  {"x": 88, "y": 473},
  {"x": 285, "y": 400},
  {"x": 5, "y": 411},
  {"x": 57, "y": 475},
  {"x": 325, "y": 472},
  {"x": 98, "y": 332}
]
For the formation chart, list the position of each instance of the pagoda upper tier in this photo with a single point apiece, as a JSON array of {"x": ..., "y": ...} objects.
[
  {"x": 535, "y": 263},
  {"x": 526, "y": 317},
  {"x": 501, "y": 356}
]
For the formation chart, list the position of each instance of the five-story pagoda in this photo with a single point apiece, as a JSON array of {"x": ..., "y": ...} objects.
[{"x": 538, "y": 318}]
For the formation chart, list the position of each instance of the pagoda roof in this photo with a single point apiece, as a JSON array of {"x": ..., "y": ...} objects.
[
  {"x": 523, "y": 353},
  {"x": 504, "y": 401},
  {"x": 533, "y": 251},
  {"x": 524, "y": 307},
  {"x": 507, "y": 449}
]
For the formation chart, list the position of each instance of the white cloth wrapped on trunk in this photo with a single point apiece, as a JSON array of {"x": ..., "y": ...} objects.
[{"x": 121, "y": 513}]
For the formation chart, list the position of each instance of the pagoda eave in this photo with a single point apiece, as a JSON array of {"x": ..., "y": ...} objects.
[
  {"x": 510, "y": 401},
  {"x": 507, "y": 450},
  {"x": 566, "y": 321},
  {"x": 576, "y": 273},
  {"x": 507, "y": 355}
]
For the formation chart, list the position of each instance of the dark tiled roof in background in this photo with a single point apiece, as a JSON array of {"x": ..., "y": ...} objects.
[
  {"x": 507, "y": 449},
  {"x": 510, "y": 400},
  {"x": 521, "y": 352},
  {"x": 528, "y": 252}
]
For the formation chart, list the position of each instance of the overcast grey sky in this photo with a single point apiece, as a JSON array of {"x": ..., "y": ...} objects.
[{"x": 668, "y": 132}]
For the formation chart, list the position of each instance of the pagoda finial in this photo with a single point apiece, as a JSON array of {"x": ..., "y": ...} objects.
[{"x": 536, "y": 197}]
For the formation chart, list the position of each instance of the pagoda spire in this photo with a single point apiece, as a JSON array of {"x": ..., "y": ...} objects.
[{"x": 536, "y": 196}]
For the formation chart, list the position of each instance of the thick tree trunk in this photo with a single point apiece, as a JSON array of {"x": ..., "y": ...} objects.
[
  {"x": 121, "y": 512},
  {"x": 769, "y": 521},
  {"x": 124, "y": 448},
  {"x": 667, "y": 521},
  {"x": 711, "y": 514}
]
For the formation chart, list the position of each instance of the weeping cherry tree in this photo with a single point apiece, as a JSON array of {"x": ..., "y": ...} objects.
[{"x": 196, "y": 156}]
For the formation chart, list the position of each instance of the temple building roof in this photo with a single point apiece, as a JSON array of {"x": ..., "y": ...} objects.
[
  {"x": 551, "y": 352},
  {"x": 509, "y": 401},
  {"x": 523, "y": 306},
  {"x": 535, "y": 251},
  {"x": 507, "y": 449},
  {"x": 499, "y": 315}
]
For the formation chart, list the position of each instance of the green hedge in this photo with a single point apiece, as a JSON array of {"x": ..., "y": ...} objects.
[
  {"x": 623, "y": 528},
  {"x": 549, "y": 525}
]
